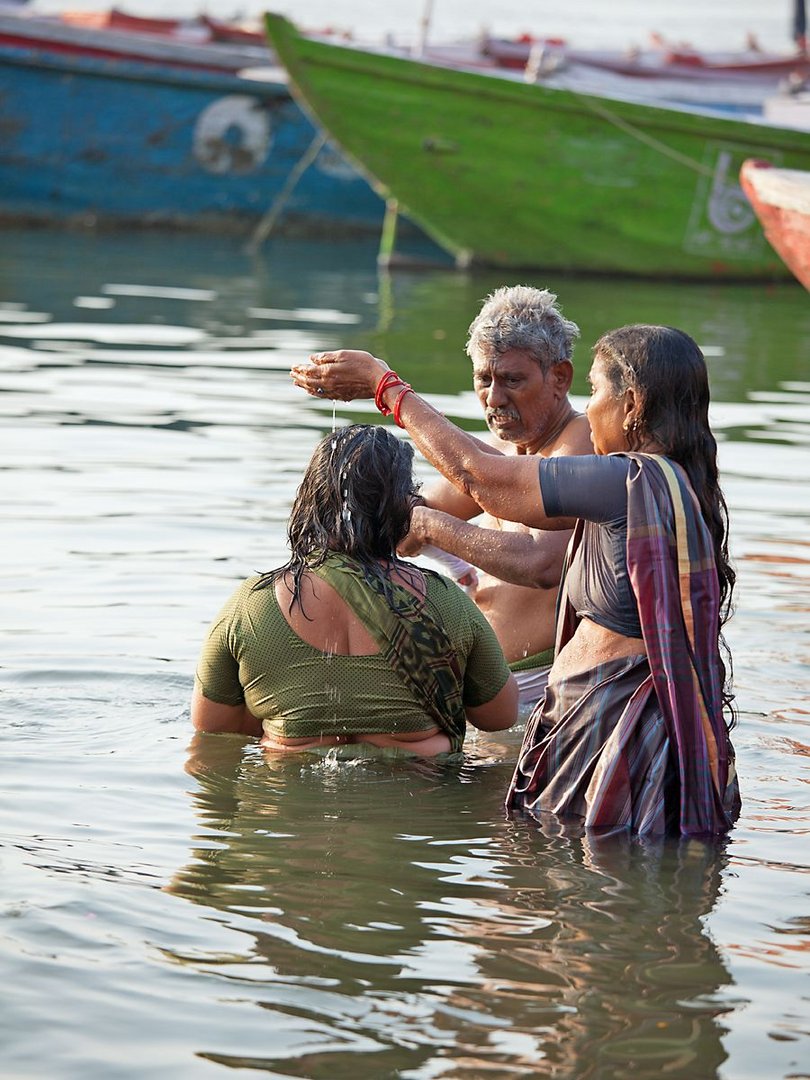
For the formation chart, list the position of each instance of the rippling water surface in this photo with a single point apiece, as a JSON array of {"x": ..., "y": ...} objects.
[{"x": 182, "y": 907}]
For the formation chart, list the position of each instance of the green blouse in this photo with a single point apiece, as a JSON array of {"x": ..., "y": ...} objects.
[{"x": 253, "y": 656}]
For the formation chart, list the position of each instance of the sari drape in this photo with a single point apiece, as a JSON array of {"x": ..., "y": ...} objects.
[{"x": 642, "y": 742}]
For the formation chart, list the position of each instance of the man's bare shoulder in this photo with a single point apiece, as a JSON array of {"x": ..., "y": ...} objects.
[
  {"x": 501, "y": 445},
  {"x": 575, "y": 438}
]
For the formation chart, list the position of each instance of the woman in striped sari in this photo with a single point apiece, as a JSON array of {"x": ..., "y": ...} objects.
[{"x": 633, "y": 730}]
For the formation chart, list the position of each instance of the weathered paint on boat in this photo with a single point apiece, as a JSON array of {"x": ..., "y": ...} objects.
[
  {"x": 781, "y": 199},
  {"x": 121, "y": 142},
  {"x": 524, "y": 176}
]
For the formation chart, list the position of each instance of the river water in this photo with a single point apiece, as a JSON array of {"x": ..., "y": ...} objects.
[{"x": 182, "y": 907}]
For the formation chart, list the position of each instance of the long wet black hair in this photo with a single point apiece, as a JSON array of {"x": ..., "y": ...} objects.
[
  {"x": 356, "y": 498},
  {"x": 667, "y": 372}
]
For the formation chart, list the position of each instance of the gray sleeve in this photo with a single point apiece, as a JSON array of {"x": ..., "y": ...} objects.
[{"x": 593, "y": 487}]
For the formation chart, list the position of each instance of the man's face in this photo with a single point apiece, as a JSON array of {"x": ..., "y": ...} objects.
[{"x": 517, "y": 398}]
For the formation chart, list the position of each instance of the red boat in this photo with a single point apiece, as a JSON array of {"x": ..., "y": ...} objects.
[
  {"x": 116, "y": 36},
  {"x": 231, "y": 33},
  {"x": 116, "y": 19},
  {"x": 781, "y": 199},
  {"x": 661, "y": 62},
  {"x": 201, "y": 28},
  {"x": 201, "y": 43}
]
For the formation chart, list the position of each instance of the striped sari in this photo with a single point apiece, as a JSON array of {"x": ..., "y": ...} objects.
[{"x": 641, "y": 742}]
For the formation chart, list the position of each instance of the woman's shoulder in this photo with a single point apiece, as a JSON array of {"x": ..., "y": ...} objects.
[
  {"x": 450, "y": 598},
  {"x": 256, "y": 591},
  {"x": 659, "y": 469},
  {"x": 438, "y": 586}
]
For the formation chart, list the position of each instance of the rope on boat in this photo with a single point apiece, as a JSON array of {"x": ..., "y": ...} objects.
[
  {"x": 648, "y": 140},
  {"x": 265, "y": 226}
]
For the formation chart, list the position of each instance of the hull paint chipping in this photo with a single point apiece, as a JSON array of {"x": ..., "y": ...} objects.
[{"x": 123, "y": 143}]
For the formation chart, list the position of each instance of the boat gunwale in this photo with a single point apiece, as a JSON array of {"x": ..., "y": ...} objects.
[{"x": 140, "y": 71}]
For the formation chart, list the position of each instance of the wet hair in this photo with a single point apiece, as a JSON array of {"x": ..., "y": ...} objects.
[
  {"x": 667, "y": 372},
  {"x": 521, "y": 317},
  {"x": 356, "y": 498}
]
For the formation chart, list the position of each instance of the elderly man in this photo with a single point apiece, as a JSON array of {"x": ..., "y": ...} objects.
[{"x": 520, "y": 345}]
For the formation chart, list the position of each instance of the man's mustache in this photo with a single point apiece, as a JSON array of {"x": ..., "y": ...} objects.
[{"x": 501, "y": 414}]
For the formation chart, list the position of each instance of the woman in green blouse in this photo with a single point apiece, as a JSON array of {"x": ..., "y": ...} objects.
[{"x": 347, "y": 643}]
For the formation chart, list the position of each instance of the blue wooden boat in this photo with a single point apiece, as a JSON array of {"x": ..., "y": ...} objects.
[{"x": 120, "y": 142}]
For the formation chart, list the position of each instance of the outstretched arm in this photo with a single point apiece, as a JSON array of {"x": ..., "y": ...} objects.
[
  {"x": 507, "y": 487},
  {"x": 441, "y": 495}
]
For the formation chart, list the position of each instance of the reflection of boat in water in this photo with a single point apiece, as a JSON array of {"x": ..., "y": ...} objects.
[
  {"x": 508, "y": 174},
  {"x": 781, "y": 199},
  {"x": 425, "y": 943},
  {"x": 115, "y": 127}
]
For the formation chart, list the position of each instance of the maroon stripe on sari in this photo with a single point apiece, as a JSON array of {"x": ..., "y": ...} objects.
[{"x": 605, "y": 758}]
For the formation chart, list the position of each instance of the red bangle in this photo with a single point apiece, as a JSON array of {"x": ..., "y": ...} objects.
[
  {"x": 406, "y": 389},
  {"x": 388, "y": 379}
]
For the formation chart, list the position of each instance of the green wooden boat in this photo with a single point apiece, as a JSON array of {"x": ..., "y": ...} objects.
[{"x": 508, "y": 174}]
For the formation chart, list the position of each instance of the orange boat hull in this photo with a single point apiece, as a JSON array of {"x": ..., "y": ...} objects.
[{"x": 781, "y": 199}]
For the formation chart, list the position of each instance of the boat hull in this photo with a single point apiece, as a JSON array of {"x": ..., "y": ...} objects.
[
  {"x": 118, "y": 143},
  {"x": 117, "y": 42},
  {"x": 513, "y": 175},
  {"x": 781, "y": 199}
]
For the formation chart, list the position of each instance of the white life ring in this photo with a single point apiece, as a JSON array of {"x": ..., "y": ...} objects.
[{"x": 232, "y": 135}]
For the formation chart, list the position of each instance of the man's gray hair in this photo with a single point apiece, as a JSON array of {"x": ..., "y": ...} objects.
[{"x": 520, "y": 317}]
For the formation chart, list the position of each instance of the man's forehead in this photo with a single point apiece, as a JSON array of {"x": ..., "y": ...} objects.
[{"x": 510, "y": 360}]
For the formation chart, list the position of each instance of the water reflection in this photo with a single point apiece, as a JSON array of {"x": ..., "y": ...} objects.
[
  {"x": 399, "y": 925},
  {"x": 755, "y": 337},
  {"x": 307, "y": 294}
]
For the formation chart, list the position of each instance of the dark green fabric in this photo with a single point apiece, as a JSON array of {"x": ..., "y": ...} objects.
[
  {"x": 252, "y": 656},
  {"x": 537, "y": 660},
  {"x": 411, "y": 641}
]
